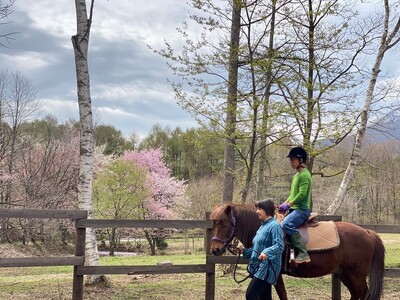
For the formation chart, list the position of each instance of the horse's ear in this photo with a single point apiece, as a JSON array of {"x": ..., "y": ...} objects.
[{"x": 228, "y": 209}]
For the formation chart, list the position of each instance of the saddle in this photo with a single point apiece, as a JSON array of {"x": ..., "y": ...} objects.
[{"x": 319, "y": 235}]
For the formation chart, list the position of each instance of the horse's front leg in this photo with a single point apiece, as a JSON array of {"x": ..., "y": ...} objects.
[{"x": 280, "y": 288}]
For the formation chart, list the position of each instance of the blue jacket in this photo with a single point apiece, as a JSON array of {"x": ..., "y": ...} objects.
[{"x": 269, "y": 240}]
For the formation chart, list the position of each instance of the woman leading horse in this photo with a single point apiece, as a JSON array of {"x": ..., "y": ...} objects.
[{"x": 360, "y": 253}]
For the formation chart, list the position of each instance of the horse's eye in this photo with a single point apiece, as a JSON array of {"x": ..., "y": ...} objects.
[{"x": 224, "y": 224}]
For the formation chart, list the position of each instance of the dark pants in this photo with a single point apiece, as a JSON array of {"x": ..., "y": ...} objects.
[{"x": 258, "y": 290}]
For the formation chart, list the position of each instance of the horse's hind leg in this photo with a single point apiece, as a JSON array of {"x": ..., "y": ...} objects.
[
  {"x": 347, "y": 282},
  {"x": 356, "y": 283}
]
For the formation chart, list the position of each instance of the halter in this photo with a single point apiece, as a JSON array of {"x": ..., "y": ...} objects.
[{"x": 227, "y": 243}]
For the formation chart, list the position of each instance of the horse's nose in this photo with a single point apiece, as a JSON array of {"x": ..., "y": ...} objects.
[
  {"x": 215, "y": 252},
  {"x": 218, "y": 251}
]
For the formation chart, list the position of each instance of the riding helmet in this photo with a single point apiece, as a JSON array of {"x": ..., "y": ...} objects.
[{"x": 298, "y": 152}]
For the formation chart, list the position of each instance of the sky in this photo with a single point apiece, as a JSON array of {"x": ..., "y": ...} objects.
[{"x": 129, "y": 87}]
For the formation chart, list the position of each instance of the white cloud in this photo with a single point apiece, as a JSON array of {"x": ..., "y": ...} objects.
[
  {"x": 133, "y": 90},
  {"x": 62, "y": 109},
  {"x": 128, "y": 81},
  {"x": 27, "y": 60}
]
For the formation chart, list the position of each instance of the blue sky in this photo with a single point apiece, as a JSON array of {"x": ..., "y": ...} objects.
[{"x": 129, "y": 86}]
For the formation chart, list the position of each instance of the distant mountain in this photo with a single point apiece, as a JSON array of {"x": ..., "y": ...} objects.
[{"x": 385, "y": 129}]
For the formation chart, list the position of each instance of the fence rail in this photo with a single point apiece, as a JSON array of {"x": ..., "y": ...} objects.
[
  {"x": 130, "y": 270},
  {"x": 42, "y": 261},
  {"x": 81, "y": 223},
  {"x": 382, "y": 228},
  {"x": 43, "y": 214},
  {"x": 112, "y": 223}
]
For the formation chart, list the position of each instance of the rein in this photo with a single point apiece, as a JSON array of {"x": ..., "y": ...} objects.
[{"x": 227, "y": 243}]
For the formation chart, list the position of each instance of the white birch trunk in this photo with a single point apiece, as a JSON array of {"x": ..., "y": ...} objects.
[
  {"x": 387, "y": 42},
  {"x": 80, "y": 42}
]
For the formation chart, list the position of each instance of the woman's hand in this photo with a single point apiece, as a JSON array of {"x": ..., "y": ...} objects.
[
  {"x": 238, "y": 250},
  {"x": 262, "y": 256}
]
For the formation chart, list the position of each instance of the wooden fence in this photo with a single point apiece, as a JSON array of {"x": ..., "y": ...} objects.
[{"x": 77, "y": 261}]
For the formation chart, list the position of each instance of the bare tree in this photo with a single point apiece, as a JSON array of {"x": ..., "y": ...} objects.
[
  {"x": 4, "y": 89},
  {"x": 22, "y": 104},
  {"x": 313, "y": 62},
  {"x": 261, "y": 185},
  {"x": 19, "y": 103},
  {"x": 231, "y": 106},
  {"x": 387, "y": 41},
  {"x": 80, "y": 43},
  {"x": 5, "y": 11},
  {"x": 205, "y": 194},
  {"x": 233, "y": 51},
  {"x": 47, "y": 171},
  {"x": 321, "y": 71},
  {"x": 4, "y": 79}
]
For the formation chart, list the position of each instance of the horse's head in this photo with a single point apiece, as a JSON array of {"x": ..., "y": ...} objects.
[
  {"x": 233, "y": 220},
  {"x": 224, "y": 229}
]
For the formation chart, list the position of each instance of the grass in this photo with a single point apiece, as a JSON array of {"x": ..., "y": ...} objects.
[
  {"x": 392, "y": 246},
  {"x": 153, "y": 260},
  {"x": 56, "y": 282}
]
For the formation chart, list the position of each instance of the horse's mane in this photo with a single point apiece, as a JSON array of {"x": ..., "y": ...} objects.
[
  {"x": 240, "y": 209},
  {"x": 246, "y": 218},
  {"x": 217, "y": 212}
]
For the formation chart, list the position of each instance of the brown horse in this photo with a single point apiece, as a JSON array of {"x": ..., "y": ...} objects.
[{"x": 361, "y": 252}]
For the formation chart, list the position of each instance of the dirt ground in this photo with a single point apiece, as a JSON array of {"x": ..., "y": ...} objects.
[
  {"x": 152, "y": 287},
  {"x": 166, "y": 287}
]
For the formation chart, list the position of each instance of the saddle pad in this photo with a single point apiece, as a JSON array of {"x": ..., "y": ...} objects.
[{"x": 320, "y": 236}]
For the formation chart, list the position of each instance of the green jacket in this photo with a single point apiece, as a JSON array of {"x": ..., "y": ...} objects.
[{"x": 300, "y": 190}]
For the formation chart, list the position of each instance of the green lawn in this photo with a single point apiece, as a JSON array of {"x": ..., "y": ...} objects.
[{"x": 392, "y": 246}]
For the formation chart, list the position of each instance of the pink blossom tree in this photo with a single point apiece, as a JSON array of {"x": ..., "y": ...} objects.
[{"x": 167, "y": 193}]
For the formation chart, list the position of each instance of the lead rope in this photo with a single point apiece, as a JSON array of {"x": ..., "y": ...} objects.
[{"x": 247, "y": 268}]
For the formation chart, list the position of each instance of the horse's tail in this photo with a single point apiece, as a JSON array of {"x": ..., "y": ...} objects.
[{"x": 377, "y": 268}]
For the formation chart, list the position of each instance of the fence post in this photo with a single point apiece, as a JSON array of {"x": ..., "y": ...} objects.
[
  {"x": 210, "y": 277},
  {"x": 77, "y": 290},
  {"x": 336, "y": 287},
  {"x": 336, "y": 283}
]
